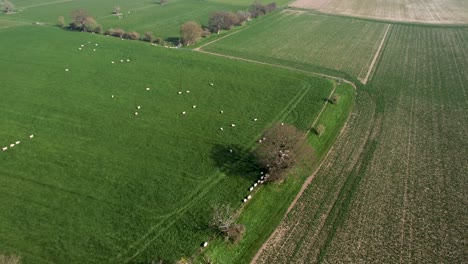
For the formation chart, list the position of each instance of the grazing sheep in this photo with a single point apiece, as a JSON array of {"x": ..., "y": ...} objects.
[
  {"x": 136, "y": 113},
  {"x": 282, "y": 124},
  {"x": 211, "y": 84},
  {"x": 230, "y": 150},
  {"x": 112, "y": 96},
  {"x": 187, "y": 91},
  {"x": 194, "y": 106},
  {"x": 94, "y": 49},
  {"x": 261, "y": 182},
  {"x": 179, "y": 92},
  {"x": 261, "y": 172},
  {"x": 244, "y": 200},
  {"x": 17, "y": 142},
  {"x": 138, "y": 107},
  {"x": 183, "y": 112},
  {"x": 31, "y": 136},
  {"x": 12, "y": 145},
  {"x": 82, "y": 45},
  {"x": 96, "y": 44},
  {"x": 249, "y": 197},
  {"x": 128, "y": 60},
  {"x": 147, "y": 88},
  {"x": 251, "y": 188},
  {"x": 5, "y": 148},
  {"x": 222, "y": 129},
  {"x": 79, "y": 48},
  {"x": 113, "y": 62},
  {"x": 221, "y": 111},
  {"x": 259, "y": 141},
  {"x": 255, "y": 119},
  {"x": 233, "y": 125},
  {"x": 66, "y": 70},
  {"x": 255, "y": 184},
  {"x": 89, "y": 42},
  {"x": 121, "y": 60}
]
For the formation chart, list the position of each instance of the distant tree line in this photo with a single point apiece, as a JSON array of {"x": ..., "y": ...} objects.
[{"x": 191, "y": 31}]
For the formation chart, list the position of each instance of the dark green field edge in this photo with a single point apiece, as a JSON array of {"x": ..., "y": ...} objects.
[{"x": 263, "y": 214}]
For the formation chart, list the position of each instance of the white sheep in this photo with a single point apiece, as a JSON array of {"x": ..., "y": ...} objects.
[
  {"x": 31, "y": 136},
  {"x": 261, "y": 182},
  {"x": 222, "y": 129},
  {"x": 194, "y": 106},
  {"x": 136, "y": 113},
  {"x": 282, "y": 124},
  {"x": 12, "y": 145},
  {"x": 184, "y": 112},
  {"x": 230, "y": 150},
  {"x": 113, "y": 62},
  {"x": 233, "y": 125},
  {"x": 66, "y": 70},
  {"x": 96, "y": 44},
  {"x": 121, "y": 60},
  {"x": 221, "y": 111},
  {"x": 259, "y": 141},
  {"x": 128, "y": 60},
  {"x": 205, "y": 244},
  {"x": 79, "y": 48},
  {"x": 112, "y": 96},
  {"x": 179, "y": 92},
  {"x": 249, "y": 197},
  {"x": 5, "y": 148},
  {"x": 187, "y": 91},
  {"x": 94, "y": 49},
  {"x": 251, "y": 188},
  {"x": 211, "y": 84},
  {"x": 82, "y": 45},
  {"x": 255, "y": 119},
  {"x": 17, "y": 142},
  {"x": 138, "y": 107},
  {"x": 261, "y": 172},
  {"x": 147, "y": 88},
  {"x": 255, "y": 184},
  {"x": 244, "y": 200}
]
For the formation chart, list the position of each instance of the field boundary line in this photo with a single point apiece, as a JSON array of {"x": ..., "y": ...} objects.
[
  {"x": 280, "y": 67},
  {"x": 46, "y": 3},
  {"x": 218, "y": 39},
  {"x": 377, "y": 53}
]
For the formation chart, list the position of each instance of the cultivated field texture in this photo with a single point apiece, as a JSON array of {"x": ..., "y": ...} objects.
[
  {"x": 394, "y": 188},
  {"x": 99, "y": 184},
  {"x": 423, "y": 11},
  {"x": 309, "y": 41}
]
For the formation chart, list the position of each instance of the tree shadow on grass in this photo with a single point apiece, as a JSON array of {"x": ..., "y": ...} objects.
[{"x": 234, "y": 160}]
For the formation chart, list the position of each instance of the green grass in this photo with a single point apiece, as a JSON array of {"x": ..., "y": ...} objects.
[
  {"x": 263, "y": 214},
  {"x": 396, "y": 177},
  {"x": 145, "y": 15},
  {"x": 316, "y": 41},
  {"x": 102, "y": 185}
]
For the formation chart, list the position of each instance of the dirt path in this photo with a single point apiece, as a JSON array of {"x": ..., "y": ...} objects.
[
  {"x": 376, "y": 56},
  {"x": 218, "y": 39}
]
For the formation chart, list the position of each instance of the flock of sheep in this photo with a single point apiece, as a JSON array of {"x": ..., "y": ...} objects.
[{"x": 15, "y": 143}]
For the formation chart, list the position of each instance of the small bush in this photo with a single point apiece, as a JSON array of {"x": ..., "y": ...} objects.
[
  {"x": 115, "y": 32},
  {"x": 149, "y": 37},
  {"x": 235, "y": 233},
  {"x": 132, "y": 35},
  {"x": 319, "y": 130},
  {"x": 61, "y": 21},
  {"x": 158, "y": 41},
  {"x": 9, "y": 259},
  {"x": 335, "y": 99}
]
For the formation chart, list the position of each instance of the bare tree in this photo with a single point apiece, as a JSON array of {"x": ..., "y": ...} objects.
[
  {"x": 149, "y": 37},
  {"x": 117, "y": 10},
  {"x": 235, "y": 233},
  {"x": 282, "y": 147},
  {"x": 223, "y": 218},
  {"x": 190, "y": 33},
  {"x": 7, "y": 7},
  {"x": 78, "y": 17},
  {"x": 132, "y": 35},
  {"x": 61, "y": 21},
  {"x": 222, "y": 20}
]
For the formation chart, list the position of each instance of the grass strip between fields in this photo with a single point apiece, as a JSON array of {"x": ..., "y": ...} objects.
[{"x": 263, "y": 214}]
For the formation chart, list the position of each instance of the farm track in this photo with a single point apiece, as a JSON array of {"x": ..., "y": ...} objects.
[{"x": 376, "y": 56}]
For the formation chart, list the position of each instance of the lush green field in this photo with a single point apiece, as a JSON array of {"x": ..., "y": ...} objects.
[
  {"x": 394, "y": 188},
  {"x": 314, "y": 41},
  {"x": 99, "y": 184},
  {"x": 138, "y": 15}
]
